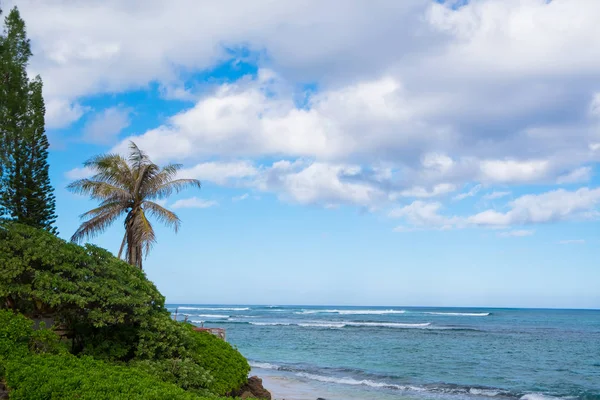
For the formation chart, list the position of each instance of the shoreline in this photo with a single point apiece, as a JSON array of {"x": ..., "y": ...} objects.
[{"x": 285, "y": 386}]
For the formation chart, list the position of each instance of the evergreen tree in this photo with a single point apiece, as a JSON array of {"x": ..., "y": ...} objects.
[{"x": 27, "y": 195}]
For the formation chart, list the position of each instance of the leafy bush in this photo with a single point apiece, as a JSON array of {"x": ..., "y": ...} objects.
[
  {"x": 185, "y": 373},
  {"x": 227, "y": 366},
  {"x": 165, "y": 338},
  {"x": 49, "y": 376},
  {"x": 86, "y": 288},
  {"x": 112, "y": 312},
  {"x": 17, "y": 337}
]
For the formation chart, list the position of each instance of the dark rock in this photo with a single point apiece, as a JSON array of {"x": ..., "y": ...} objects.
[
  {"x": 3, "y": 391},
  {"x": 253, "y": 389}
]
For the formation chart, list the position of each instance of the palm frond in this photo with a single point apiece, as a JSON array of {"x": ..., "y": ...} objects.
[
  {"x": 104, "y": 208},
  {"x": 95, "y": 225},
  {"x": 113, "y": 169},
  {"x": 148, "y": 238},
  {"x": 176, "y": 186},
  {"x": 157, "y": 178},
  {"x": 98, "y": 190},
  {"x": 137, "y": 157},
  {"x": 162, "y": 215}
]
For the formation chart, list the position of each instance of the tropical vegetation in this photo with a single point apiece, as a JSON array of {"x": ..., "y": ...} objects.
[
  {"x": 131, "y": 188},
  {"x": 77, "y": 322},
  {"x": 115, "y": 329},
  {"x": 26, "y": 194}
]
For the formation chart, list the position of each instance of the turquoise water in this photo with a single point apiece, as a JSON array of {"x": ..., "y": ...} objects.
[{"x": 405, "y": 352}]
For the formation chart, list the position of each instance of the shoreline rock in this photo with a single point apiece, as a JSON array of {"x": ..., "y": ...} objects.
[{"x": 253, "y": 389}]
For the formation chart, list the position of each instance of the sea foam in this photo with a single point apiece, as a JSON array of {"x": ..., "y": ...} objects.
[
  {"x": 457, "y": 314},
  {"x": 352, "y": 312},
  {"x": 215, "y": 308},
  {"x": 342, "y": 324}
]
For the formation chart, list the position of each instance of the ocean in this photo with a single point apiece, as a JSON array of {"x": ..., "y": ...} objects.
[{"x": 381, "y": 353}]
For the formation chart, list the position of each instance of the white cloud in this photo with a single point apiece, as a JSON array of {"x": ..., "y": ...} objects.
[
  {"x": 554, "y": 206},
  {"x": 514, "y": 103},
  {"x": 558, "y": 205},
  {"x": 61, "y": 113},
  {"x": 193, "y": 202},
  {"x": 240, "y": 197},
  {"x": 578, "y": 175},
  {"x": 512, "y": 171},
  {"x": 420, "y": 214},
  {"x": 319, "y": 183},
  {"x": 421, "y": 192},
  {"x": 595, "y": 105},
  {"x": 474, "y": 190},
  {"x": 105, "y": 126},
  {"x": 572, "y": 241},
  {"x": 517, "y": 233},
  {"x": 220, "y": 172},
  {"x": 79, "y": 173},
  {"x": 496, "y": 195}
]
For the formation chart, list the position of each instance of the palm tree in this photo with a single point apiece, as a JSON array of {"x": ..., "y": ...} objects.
[{"x": 129, "y": 187}]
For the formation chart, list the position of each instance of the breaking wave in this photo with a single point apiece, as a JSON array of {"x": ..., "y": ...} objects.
[{"x": 352, "y": 312}]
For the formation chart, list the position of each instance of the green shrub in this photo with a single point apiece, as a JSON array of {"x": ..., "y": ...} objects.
[
  {"x": 185, "y": 373},
  {"x": 85, "y": 288},
  {"x": 15, "y": 334},
  {"x": 164, "y": 338},
  {"x": 112, "y": 312},
  {"x": 227, "y": 366},
  {"x": 65, "y": 376}
]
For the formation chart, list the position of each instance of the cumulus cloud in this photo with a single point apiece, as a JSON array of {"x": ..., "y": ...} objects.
[
  {"x": 61, "y": 113},
  {"x": 79, "y": 173},
  {"x": 578, "y": 175},
  {"x": 220, "y": 172},
  {"x": 423, "y": 215},
  {"x": 105, "y": 126},
  {"x": 496, "y": 195},
  {"x": 557, "y": 205},
  {"x": 414, "y": 98},
  {"x": 553, "y": 206},
  {"x": 193, "y": 202}
]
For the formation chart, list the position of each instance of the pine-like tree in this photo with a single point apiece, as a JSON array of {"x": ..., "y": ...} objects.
[{"x": 27, "y": 195}]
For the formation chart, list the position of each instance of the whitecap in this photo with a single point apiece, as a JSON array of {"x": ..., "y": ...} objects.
[
  {"x": 457, "y": 314},
  {"x": 263, "y": 365},
  {"x": 538, "y": 396},
  {"x": 484, "y": 392},
  {"x": 211, "y": 316},
  {"x": 215, "y": 308},
  {"x": 322, "y": 325},
  {"x": 352, "y": 312},
  {"x": 351, "y": 381}
]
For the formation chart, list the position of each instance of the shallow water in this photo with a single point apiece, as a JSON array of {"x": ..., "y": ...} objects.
[{"x": 405, "y": 352}]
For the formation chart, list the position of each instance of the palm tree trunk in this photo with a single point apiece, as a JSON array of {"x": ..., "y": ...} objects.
[{"x": 122, "y": 244}]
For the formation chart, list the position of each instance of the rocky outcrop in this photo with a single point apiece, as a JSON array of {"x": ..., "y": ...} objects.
[{"x": 253, "y": 389}]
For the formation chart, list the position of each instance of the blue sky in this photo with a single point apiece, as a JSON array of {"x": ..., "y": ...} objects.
[{"x": 378, "y": 153}]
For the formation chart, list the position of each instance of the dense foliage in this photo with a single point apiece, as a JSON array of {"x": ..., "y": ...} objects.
[
  {"x": 111, "y": 314},
  {"x": 36, "y": 366},
  {"x": 85, "y": 288},
  {"x": 165, "y": 338},
  {"x": 26, "y": 194}
]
